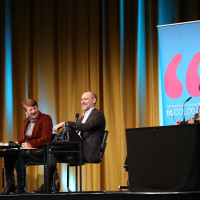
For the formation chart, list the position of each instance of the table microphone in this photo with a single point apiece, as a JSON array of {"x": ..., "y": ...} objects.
[
  {"x": 76, "y": 117},
  {"x": 184, "y": 122}
]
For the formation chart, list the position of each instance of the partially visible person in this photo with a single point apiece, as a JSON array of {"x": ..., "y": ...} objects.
[
  {"x": 178, "y": 122},
  {"x": 89, "y": 129},
  {"x": 36, "y": 131},
  {"x": 189, "y": 121}
]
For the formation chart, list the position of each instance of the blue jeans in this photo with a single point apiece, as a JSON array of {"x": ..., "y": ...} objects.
[{"x": 18, "y": 162}]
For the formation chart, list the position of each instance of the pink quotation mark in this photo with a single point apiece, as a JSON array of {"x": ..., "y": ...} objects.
[
  {"x": 173, "y": 86},
  {"x": 192, "y": 77}
]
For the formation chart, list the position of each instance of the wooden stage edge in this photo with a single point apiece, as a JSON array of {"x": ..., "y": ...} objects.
[{"x": 107, "y": 195}]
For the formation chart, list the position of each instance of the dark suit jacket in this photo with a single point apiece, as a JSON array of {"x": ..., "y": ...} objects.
[
  {"x": 92, "y": 132},
  {"x": 42, "y": 131}
]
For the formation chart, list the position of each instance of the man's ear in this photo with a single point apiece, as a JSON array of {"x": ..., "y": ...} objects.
[{"x": 94, "y": 101}]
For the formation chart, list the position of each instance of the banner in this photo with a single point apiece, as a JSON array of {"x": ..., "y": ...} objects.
[{"x": 179, "y": 59}]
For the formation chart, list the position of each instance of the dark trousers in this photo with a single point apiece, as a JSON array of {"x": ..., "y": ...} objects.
[{"x": 18, "y": 162}]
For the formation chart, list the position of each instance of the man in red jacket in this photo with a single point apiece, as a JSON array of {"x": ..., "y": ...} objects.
[{"x": 36, "y": 131}]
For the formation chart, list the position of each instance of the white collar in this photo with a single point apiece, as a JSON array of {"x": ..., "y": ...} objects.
[{"x": 86, "y": 113}]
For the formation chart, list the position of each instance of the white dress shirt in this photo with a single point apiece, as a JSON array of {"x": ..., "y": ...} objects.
[{"x": 85, "y": 114}]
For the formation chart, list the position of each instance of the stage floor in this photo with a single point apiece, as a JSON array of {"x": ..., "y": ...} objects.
[{"x": 107, "y": 195}]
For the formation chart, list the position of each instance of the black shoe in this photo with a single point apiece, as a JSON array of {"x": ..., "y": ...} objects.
[
  {"x": 9, "y": 188},
  {"x": 55, "y": 188},
  {"x": 39, "y": 191},
  {"x": 20, "y": 189}
]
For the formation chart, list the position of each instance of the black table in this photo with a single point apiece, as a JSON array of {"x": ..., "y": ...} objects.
[
  {"x": 62, "y": 148},
  {"x": 164, "y": 158},
  {"x": 6, "y": 153}
]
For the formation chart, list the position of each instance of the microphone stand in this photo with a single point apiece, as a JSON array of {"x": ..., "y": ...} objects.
[
  {"x": 66, "y": 129},
  {"x": 184, "y": 122},
  {"x": 65, "y": 136}
]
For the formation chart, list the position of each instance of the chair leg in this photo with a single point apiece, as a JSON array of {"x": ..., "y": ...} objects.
[
  {"x": 76, "y": 179},
  {"x": 3, "y": 178},
  {"x": 68, "y": 178}
]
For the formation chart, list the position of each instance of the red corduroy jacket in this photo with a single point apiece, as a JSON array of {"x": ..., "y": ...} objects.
[{"x": 42, "y": 131}]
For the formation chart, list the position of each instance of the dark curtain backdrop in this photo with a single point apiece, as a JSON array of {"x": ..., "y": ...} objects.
[{"x": 61, "y": 48}]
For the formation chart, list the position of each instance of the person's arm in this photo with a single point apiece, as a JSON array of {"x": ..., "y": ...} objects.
[
  {"x": 22, "y": 138},
  {"x": 190, "y": 121},
  {"x": 58, "y": 126},
  {"x": 97, "y": 121}
]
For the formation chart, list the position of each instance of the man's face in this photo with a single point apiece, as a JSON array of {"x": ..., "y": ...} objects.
[
  {"x": 32, "y": 112},
  {"x": 87, "y": 101}
]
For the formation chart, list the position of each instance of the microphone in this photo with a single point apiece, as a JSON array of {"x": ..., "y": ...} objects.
[
  {"x": 188, "y": 99},
  {"x": 76, "y": 117},
  {"x": 184, "y": 122}
]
